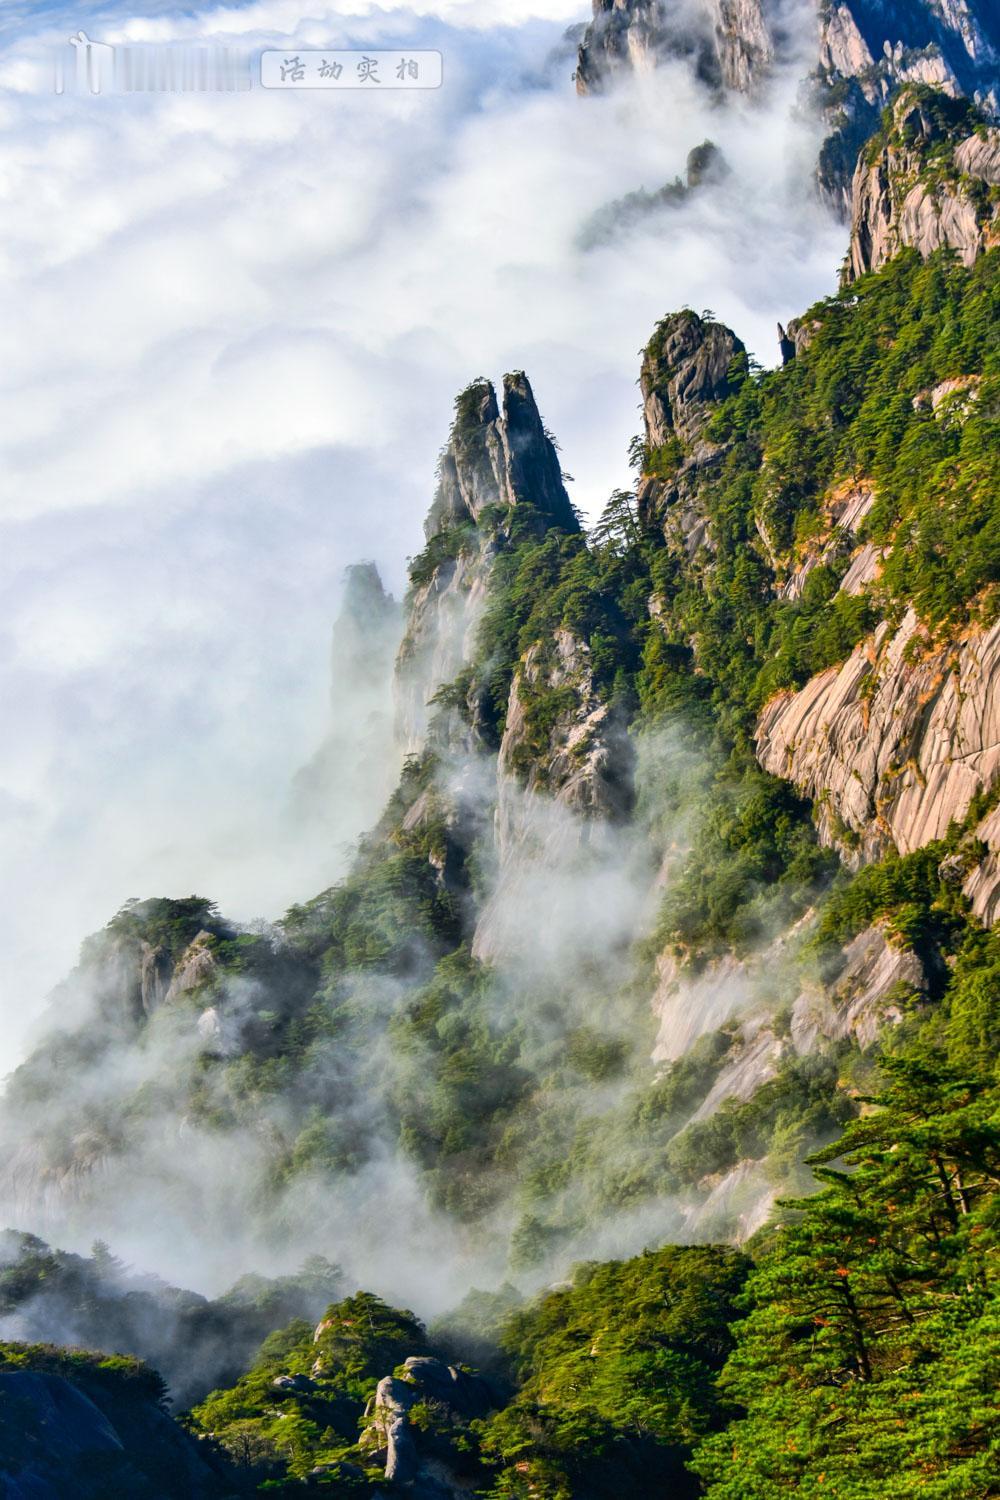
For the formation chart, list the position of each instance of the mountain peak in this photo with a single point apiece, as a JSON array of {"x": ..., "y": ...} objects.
[
  {"x": 498, "y": 457},
  {"x": 685, "y": 370},
  {"x": 857, "y": 53},
  {"x": 924, "y": 182}
]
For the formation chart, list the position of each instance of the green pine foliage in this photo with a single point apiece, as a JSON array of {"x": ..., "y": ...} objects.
[
  {"x": 302, "y": 1402},
  {"x": 616, "y": 1378},
  {"x": 869, "y": 1361}
]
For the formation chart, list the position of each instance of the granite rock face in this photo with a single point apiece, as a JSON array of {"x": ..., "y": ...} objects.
[
  {"x": 551, "y": 786},
  {"x": 877, "y": 979},
  {"x": 493, "y": 458},
  {"x": 894, "y": 744},
  {"x": 982, "y": 885},
  {"x": 853, "y": 55},
  {"x": 846, "y": 510},
  {"x": 730, "y": 43},
  {"x": 901, "y": 197},
  {"x": 637, "y": 36},
  {"x": 390, "y": 1436},
  {"x": 870, "y": 48},
  {"x": 582, "y": 765},
  {"x": 732, "y": 1206},
  {"x": 687, "y": 368}
]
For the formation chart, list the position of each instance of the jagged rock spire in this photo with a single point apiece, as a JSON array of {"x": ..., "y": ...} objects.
[
  {"x": 685, "y": 370},
  {"x": 689, "y": 365},
  {"x": 728, "y": 41},
  {"x": 857, "y": 53},
  {"x": 499, "y": 458}
]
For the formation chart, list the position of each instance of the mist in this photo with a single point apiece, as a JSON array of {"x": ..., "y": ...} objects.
[
  {"x": 235, "y": 327},
  {"x": 140, "y": 1135},
  {"x": 230, "y": 349}
]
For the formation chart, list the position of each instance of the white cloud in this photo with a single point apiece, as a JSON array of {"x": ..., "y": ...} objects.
[{"x": 232, "y": 330}]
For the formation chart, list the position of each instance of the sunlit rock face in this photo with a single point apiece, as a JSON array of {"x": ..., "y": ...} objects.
[
  {"x": 687, "y": 369},
  {"x": 894, "y": 744},
  {"x": 391, "y": 1438},
  {"x": 878, "y": 977},
  {"x": 494, "y": 459},
  {"x": 924, "y": 185},
  {"x": 730, "y": 42},
  {"x": 852, "y": 55}
]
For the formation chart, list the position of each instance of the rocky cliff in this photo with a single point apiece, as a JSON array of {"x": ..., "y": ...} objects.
[
  {"x": 927, "y": 181},
  {"x": 494, "y": 462},
  {"x": 899, "y": 740},
  {"x": 893, "y": 745},
  {"x": 391, "y": 1438},
  {"x": 730, "y": 42},
  {"x": 630, "y": 753},
  {"x": 855, "y": 53},
  {"x": 689, "y": 365}
]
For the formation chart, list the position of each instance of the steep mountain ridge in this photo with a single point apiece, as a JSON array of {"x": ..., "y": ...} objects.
[
  {"x": 898, "y": 742},
  {"x": 854, "y": 55},
  {"x": 595, "y": 979},
  {"x": 493, "y": 462}
]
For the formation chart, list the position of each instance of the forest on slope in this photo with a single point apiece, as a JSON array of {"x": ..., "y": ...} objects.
[{"x": 591, "y": 860}]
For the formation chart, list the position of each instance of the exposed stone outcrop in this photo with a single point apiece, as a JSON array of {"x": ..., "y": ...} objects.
[
  {"x": 982, "y": 886},
  {"x": 196, "y": 967},
  {"x": 742, "y": 998},
  {"x": 858, "y": 54},
  {"x": 733, "y": 994},
  {"x": 731, "y": 43},
  {"x": 754, "y": 1062},
  {"x": 733, "y": 1206},
  {"x": 128, "y": 976},
  {"x": 584, "y": 761},
  {"x": 492, "y": 459},
  {"x": 637, "y": 36},
  {"x": 894, "y": 744},
  {"x": 691, "y": 1006},
  {"x": 917, "y": 188},
  {"x": 685, "y": 370},
  {"x": 748, "y": 36},
  {"x": 389, "y": 1434},
  {"x": 688, "y": 367},
  {"x": 845, "y": 510},
  {"x": 554, "y": 777},
  {"x": 885, "y": 42},
  {"x": 877, "y": 979}
]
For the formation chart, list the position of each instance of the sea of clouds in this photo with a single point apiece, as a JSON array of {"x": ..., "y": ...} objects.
[{"x": 233, "y": 327}]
